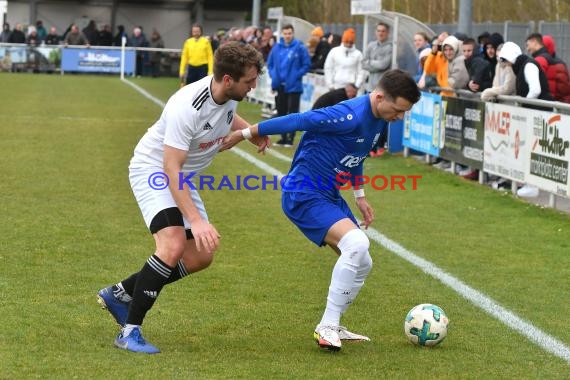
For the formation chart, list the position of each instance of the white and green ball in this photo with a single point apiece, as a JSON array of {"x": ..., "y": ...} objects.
[{"x": 426, "y": 325}]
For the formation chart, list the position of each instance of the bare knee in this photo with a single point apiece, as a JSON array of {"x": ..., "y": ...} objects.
[
  {"x": 170, "y": 245},
  {"x": 195, "y": 260}
]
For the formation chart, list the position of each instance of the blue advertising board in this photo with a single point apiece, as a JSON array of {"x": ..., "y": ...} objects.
[
  {"x": 422, "y": 125},
  {"x": 91, "y": 60}
]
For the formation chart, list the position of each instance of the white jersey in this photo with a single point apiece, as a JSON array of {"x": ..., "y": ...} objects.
[{"x": 190, "y": 121}]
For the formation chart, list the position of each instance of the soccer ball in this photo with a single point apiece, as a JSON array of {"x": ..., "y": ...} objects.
[{"x": 426, "y": 325}]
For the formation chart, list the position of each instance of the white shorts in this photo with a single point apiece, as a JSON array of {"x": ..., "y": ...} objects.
[{"x": 153, "y": 200}]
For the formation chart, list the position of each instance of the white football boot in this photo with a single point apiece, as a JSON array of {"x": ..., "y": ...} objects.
[
  {"x": 327, "y": 337},
  {"x": 344, "y": 334}
]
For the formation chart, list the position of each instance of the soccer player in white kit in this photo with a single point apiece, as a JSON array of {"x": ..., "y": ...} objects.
[
  {"x": 333, "y": 148},
  {"x": 183, "y": 141}
]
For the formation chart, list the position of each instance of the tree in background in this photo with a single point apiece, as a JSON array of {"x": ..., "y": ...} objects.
[{"x": 429, "y": 11}]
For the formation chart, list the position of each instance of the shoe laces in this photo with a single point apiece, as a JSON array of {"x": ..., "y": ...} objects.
[{"x": 332, "y": 327}]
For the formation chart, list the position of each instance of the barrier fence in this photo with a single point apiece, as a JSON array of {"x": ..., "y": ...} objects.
[{"x": 524, "y": 145}]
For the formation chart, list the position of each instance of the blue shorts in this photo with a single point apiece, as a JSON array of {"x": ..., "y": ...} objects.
[{"x": 313, "y": 214}]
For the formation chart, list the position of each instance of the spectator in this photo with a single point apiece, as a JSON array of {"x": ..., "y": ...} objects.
[
  {"x": 334, "y": 40},
  {"x": 155, "y": 56},
  {"x": 288, "y": 62},
  {"x": 90, "y": 31},
  {"x": 378, "y": 56},
  {"x": 138, "y": 40},
  {"x": 40, "y": 30},
  {"x": 237, "y": 35},
  {"x": 550, "y": 44},
  {"x": 117, "y": 40},
  {"x": 264, "y": 44},
  {"x": 316, "y": 36},
  {"x": 249, "y": 34},
  {"x": 421, "y": 42},
  {"x": 503, "y": 81},
  {"x": 344, "y": 63},
  {"x": 33, "y": 39},
  {"x": 436, "y": 64},
  {"x": 377, "y": 60},
  {"x": 104, "y": 36},
  {"x": 5, "y": 36},
  {"x": 490, "y": 52},
  {"x": 457, "y": 75},
  {"x": 554, "y": 68},
  {"x": 321, "y": 51},
  {"x": 75, "y": 37},
  {"x": 336, "y": 96},
  {"x": 479, "y": 69},
  {"x": 52, "y": 38},
  {"x": 197, "y": 57},
  {"x": 17, "y": 36},
  {"x": 530, "y": 82},
  {"x": 423, "y": 56}
]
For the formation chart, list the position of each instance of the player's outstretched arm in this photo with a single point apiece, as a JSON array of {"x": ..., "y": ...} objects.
[
  {"x": 262, "y": 142},
  {"x": 251, "y": 134}
]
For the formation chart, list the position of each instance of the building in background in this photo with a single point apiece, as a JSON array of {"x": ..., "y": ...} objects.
[{"x": 172, "y": 18}]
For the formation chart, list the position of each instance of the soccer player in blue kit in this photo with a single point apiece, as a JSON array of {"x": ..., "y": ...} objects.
[{"x": 336, "y": 141}]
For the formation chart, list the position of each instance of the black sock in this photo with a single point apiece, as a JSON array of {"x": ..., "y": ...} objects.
[
  {"x": 150, "y": 280},
  {"x": 129, "y": 283}
]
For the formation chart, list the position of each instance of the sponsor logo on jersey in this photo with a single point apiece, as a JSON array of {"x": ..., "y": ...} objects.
[
  {"x": 230, "y": 116},
  {"x": 359, "y": 140},
  {"x": 351, "y": 161},
  {"x": 207, "y": 127},
  {"x": 209, "y": 144}
]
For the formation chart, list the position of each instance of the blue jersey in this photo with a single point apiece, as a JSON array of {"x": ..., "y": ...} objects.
[{"x": 336, "y": 141}]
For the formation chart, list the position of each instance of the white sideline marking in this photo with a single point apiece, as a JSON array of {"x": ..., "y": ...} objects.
[
  {"x": 527, "y": 329},
  {"x": 145, "y": 93}
]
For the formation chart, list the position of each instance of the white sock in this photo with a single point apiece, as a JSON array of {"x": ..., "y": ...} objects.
[
  {"x": 339, "y": 291},
  {"x": 353, "y": 246},
  {"x": 361, "y": 274},
  {"x": 128, "y": 328}
]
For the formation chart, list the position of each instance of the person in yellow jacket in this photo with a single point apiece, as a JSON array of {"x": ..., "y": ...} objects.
[{"x": 197, "y": 57}]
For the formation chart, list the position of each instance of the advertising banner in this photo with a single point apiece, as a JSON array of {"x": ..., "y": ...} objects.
[
  {"x": 507, "y": 147},
  {"x": 422, "y": 125},
  {"x": 549, "y": 152},
  {"x": 97, "y": 60},
  {"x": 463, "y": 129},
  {"x": 314, "y": 86},
  {"x": 29, "y": 58}
]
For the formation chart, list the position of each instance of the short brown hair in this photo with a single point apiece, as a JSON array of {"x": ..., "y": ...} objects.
[
  {"x": 398, "y": 83},
  {"x": 234, "y": 58}
]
